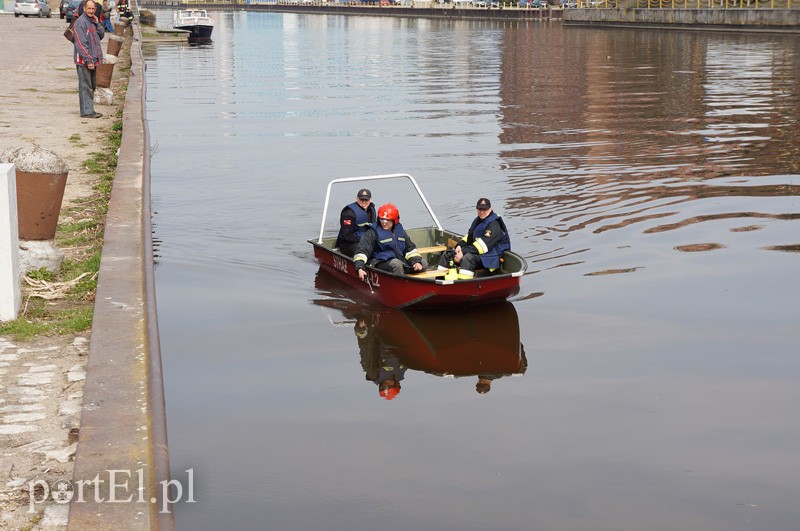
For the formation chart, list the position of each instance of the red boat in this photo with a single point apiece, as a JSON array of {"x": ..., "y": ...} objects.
[{"x": 427, "y": 289}]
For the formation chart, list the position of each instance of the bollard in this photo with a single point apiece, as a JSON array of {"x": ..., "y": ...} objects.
[
  {"x": 114, "y": 45},
  {"x": 41, "y": 176},
  {"x": 41, "y": 179},
  {"x": 104, "y": 73},
  {"x": 105, "y": 70},
  {"x": 10, "y": 288}
]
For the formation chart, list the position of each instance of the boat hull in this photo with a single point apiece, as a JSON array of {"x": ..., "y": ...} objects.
[
  {"x": 408, "y": 292},
  {"x": 198, "y": 32}
]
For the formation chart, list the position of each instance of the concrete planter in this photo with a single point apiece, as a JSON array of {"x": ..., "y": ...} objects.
[
  {"x": 114, "y": 45},
  {"x": 41, "y": 179},
  {"x": 119, "y": 27},
  {"x": 104, "y": 73},
  {"x": 39, "y": 197}
]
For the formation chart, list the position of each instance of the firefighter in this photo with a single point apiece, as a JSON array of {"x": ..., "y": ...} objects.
[
  {"x": 482, "y": 246},
  {"x": 354, "y": 221},
  {"x": 387, "y": 247}
]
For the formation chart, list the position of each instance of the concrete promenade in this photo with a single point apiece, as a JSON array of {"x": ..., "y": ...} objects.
[
  {"x": 96, "y": 398},
  {"x": 41, "y": 381}
]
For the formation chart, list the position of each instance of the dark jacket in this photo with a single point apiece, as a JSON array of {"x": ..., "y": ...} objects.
[
  {"x": 382, "y": 245},
  {"x": 488, "y": 238},
  {"x": 354, "y": 222}
]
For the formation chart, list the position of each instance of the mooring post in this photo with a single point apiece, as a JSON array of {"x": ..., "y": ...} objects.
[{"x": 10, "y": 288}]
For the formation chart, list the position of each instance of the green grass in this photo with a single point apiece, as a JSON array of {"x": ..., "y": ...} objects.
[
  {"x": 73, "y": 321},
  {"x": 23, "y": 329},
  {"x": 33, "y": 522},
  {"x": 41, "y": 274}
]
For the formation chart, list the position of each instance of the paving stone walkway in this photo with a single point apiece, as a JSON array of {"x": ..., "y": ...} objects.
[{"x": 41, "y": 391}]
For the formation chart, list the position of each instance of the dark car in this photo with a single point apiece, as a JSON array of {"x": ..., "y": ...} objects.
[
  {"x": 62, "y": 8},
  {"x": 71, "y": 9}
]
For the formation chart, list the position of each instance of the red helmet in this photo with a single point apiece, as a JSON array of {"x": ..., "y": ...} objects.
[
  {"x": 390, "y": 393},
  {"x": 389, "y": 211}
]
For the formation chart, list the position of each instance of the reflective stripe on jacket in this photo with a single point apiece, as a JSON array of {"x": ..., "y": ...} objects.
[
  {"x": 490, "y": 256},
  {"x": 391, "y": 244}
]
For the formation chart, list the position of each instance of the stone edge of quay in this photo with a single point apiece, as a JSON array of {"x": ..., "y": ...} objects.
[{"x": 123, "y": 419}]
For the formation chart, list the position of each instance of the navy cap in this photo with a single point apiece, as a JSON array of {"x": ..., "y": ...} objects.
[
  {"x": 364, "y": 194},
  {"x": 483, "y": 204}
]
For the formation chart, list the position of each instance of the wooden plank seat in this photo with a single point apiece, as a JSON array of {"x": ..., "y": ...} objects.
[
  {"x": 433, "y": 249},
  {"x": 428, "y": 274}
]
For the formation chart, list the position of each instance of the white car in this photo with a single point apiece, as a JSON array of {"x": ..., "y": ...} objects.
[{"x": 36, "y": 8}]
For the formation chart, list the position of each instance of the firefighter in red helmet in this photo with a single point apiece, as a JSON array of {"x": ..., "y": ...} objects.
[{"x": 387, "y": 247}]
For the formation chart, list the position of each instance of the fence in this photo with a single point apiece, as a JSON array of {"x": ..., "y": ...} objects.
[{"x": 689, "y": 4}]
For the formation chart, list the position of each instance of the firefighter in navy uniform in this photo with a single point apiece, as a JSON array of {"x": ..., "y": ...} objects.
[
  {"x": 354, "y": 221},
  {"x": 387, "y": 246},
  {"x": 482, "y": 246},
  {"x": 124, "y": 10}
]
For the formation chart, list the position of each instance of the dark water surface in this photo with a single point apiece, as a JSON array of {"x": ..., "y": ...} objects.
[{"x": 646, "y": 377}]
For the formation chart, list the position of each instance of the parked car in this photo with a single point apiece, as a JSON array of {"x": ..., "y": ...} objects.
[
  {"x": 479, "y": 3},
  {"x": 62, "y": 8},
  {"x": 36, "y": 8},
  {"x": 71, "y": 9},
  {"x": 532, "y": 4},
  {"x": 571, "y": 4}
]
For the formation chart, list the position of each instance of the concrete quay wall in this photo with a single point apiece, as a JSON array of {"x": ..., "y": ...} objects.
[
  {"x": 766, "y": 20},
  {"x": 422, "y": 11},
  {"x": 123, "y": 422}
]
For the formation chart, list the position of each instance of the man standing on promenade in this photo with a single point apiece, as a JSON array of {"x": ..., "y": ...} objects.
[
  {"x": 88, "y": 55},
  {"x": 105, "y": 10}
]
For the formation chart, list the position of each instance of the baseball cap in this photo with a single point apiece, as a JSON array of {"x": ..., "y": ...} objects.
[
  {"x": 483, "y": 204},
  {"x": 364, "y": 194}
]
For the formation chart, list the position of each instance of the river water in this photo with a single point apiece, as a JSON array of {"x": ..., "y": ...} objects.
[{"x": 647, "y": 376}]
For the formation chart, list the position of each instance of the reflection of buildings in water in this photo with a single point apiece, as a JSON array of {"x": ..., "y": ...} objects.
[
  {"x": 750, "y": 95},
  {"x": 481, "y": 342},
  {"x": 612, "y": 129},
  {"x": 639, "y": 104}
]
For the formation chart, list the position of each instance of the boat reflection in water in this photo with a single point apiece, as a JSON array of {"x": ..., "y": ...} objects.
[{"x": 481, "y": 342}]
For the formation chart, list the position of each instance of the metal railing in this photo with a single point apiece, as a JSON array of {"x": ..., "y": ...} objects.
[
  {"x": 688, "y": 4},
  {"x": 506, "y": 4}
]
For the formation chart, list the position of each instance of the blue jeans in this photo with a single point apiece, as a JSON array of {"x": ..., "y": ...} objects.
[
  {"x": 86, "y": 86},
  {"x": 109, "y": 25}
]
